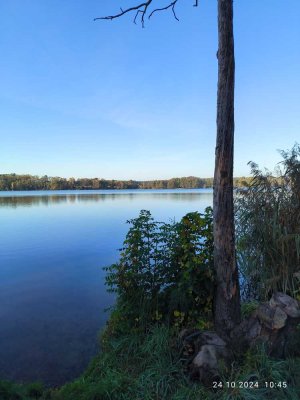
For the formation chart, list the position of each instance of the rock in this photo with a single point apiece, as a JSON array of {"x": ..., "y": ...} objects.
[
  {"x": 265, "y": 314},
  {"x": 273, "y": 323},
  {"x": 246, "y": 332},
  {"x": 253, "y": 329},
  {"x": 210, "y": 349},
  {"x": 279, "y": 319},
  {"x": 211, "y": 338},
  {"x": 206, "y": 358},
  {"x": 286, "y": 303},
  {"x": 285, "y": 342},
  {"x": 206, "y": 365},
  {"x": 276, "y": 325},
  {"x": 271, "y": 317}
]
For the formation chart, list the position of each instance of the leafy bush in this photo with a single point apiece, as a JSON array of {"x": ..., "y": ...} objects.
[
  {"x": 268, "y": 229},
  {"x": 165, "y": 270}
]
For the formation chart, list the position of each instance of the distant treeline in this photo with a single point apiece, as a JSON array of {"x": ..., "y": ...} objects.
[{"x": 30, "y": 182}]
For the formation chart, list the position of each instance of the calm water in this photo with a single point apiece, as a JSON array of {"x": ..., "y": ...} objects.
[{"x": 53, "y": 246}]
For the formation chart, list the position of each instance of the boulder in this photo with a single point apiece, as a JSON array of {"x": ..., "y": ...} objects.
[
  {"x": 286, "y": 303},
  {"x": 273, "y": 323},
  {"x": 279, "y": 319},
  {"x": 205, "y": 365},
  {"x": 204, "y": 352},
  {"x": 271, "y": 317}
]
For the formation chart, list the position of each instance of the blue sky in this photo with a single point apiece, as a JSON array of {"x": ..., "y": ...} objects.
[{"x": 110, "y": 99}]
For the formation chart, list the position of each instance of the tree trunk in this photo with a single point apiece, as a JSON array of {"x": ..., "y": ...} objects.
[{"x": 227, "y": 296}]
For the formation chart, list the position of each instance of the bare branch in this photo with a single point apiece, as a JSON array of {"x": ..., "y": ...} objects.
[
  {"x": 171, "y": 5},
  {"x": 141, "y": 9}
]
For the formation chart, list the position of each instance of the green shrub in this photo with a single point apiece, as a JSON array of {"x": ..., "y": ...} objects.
[
  {"x": 165, "y": 271},
  {"x": 268, "y": 229}
]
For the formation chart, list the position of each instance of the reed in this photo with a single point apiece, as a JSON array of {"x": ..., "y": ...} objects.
[{"x": 268, "y": 229}]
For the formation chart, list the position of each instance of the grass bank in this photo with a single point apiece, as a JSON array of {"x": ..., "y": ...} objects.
[{"x": 147, "y": 366}]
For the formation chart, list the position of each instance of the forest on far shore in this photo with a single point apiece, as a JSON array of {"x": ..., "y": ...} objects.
[{"x": 33, "y": 182}]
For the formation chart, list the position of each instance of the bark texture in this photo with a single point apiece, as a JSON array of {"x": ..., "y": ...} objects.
[{"x": 227, "y": 297}]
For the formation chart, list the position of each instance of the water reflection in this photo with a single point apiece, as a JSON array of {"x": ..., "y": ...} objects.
[
  {"x": 28, "y": 200},
  {"x": 52, "y": 292}
]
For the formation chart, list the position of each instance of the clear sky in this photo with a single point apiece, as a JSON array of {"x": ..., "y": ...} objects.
[{"x": 112, "y": 100}]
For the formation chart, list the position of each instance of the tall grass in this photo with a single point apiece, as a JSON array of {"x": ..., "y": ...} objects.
[{"x": 268, "y": 229}]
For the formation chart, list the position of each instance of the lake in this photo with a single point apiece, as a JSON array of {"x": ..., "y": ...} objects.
[{"x": 52, "y": 294}]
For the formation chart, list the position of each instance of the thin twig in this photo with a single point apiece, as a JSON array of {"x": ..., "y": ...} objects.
[{"x": 165, "y": 8}]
